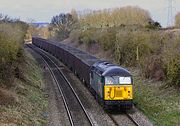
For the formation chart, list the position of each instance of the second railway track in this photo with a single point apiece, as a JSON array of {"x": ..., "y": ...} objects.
[
  {"x": 126, "y": 116},
  {"x": 75, "y": 110}
]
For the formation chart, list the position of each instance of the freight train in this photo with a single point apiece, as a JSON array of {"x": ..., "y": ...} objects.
[{"x": 111, "y": 84}]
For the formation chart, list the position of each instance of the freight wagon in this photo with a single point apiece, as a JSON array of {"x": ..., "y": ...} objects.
[{"x": 111, "y": 84}]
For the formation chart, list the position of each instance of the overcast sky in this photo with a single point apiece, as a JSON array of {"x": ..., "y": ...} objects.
[{"x": 43, "y": 10}]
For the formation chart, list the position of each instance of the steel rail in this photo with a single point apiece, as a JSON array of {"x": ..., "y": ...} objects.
[
  {"x": 59, "y": 88},
  {"x": 83, "y": 108},
  {"x": 129, "y": 117},
  {"x": 134, "y": 121},
  {"x": 114, "y": 121}
]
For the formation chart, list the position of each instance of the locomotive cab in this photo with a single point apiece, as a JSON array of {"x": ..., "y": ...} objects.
[{"x": 112, "y": 83}]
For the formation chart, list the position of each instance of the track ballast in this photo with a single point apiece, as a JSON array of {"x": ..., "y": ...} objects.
[{"x": 76, "y": 112}]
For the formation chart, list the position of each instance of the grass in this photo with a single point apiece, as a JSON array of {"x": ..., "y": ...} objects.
[
  {"x": 159, "y": 103},
  {"x": 30, "y": 108}
]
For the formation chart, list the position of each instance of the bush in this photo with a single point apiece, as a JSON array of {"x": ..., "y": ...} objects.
[
  {"x": 107, "y": 39},
  {"x": 171, "y": 61},
  {"x": 8, "y": 54},
  {"x": 152, "y": 67},
  {"x": 132, "y": 46},
  {"x": 74, "y": 35},
  {"x": 135, "y": 39},
  {"x": 87, "y": 36},
  {"x": 11, "y": 52},
  {"x": 156, "y": 53},
  {"x": 153, "y": 25}
]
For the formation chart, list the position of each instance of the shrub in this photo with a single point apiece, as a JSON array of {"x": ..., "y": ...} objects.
[
  {"x": 130, "y": 46},
  {"x": 153, "y": 25},
  {"x": 135, "y": 39},
  {"x": 144, "y": 49},
  {"x": 74, "y": 35},
  {"x": 87, "y": 36},
  {"x": 152, "y": 67},
  {"x": 8, "y": 54},
  {"x": 11, "y": 53},
  {"x": 107, "y": 39},
  {"x": 171, "y": 61}
]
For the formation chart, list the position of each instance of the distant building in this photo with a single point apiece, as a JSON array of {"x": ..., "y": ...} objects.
[{"x": 40, "y": 24}]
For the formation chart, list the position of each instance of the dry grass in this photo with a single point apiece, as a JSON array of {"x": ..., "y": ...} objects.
[
  {"x": 25, "y": 104},
  {"x": 8, "y": 97}
]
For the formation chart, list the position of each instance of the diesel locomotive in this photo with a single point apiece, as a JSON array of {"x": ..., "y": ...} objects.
[{"x": 111, "y": 84}]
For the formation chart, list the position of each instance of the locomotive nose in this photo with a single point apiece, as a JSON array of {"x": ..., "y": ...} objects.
[{"x": 115, "y": 92}]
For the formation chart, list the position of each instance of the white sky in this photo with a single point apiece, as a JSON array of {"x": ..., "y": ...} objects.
[{"x": 43, "y": 10}]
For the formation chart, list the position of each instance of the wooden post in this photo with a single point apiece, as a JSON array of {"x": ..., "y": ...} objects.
[{"x": 137, "y": 53}]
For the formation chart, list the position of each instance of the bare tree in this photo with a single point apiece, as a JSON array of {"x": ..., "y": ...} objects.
[
  {"x": 7, "y": 19},
  {"x": 62, "y": 24}
]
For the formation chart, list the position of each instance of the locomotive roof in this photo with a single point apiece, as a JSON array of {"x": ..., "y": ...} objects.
[{"x": 105, "y": 68}]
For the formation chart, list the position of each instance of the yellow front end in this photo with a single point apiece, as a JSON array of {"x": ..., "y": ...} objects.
[{"x": 118, "y": 92}]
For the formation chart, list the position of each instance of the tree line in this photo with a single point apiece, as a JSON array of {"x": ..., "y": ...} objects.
[{"x": 131, "y": 35}]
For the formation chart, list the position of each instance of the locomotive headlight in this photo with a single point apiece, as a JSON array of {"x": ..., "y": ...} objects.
[{"x": 125, "y": 80}]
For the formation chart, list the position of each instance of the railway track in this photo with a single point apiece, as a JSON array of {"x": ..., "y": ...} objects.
[
  {"x": 134, "y": 122},
  {"x": 76, "y": 112}
]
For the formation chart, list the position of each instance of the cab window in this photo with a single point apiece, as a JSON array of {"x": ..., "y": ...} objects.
[
  {"x": 117, "y": 80},
  {"x": 125, "y": 80},
  {"x": 112, "y": 80}
]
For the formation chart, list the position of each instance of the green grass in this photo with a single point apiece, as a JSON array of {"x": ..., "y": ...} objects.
[
  {"x": 32, "y": 104},
  {"x": 160, "y": 104}
]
